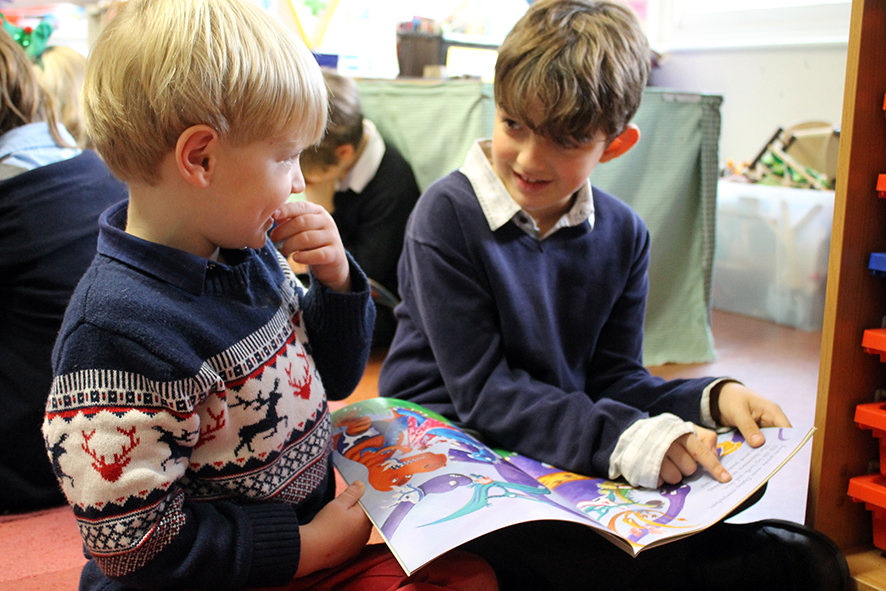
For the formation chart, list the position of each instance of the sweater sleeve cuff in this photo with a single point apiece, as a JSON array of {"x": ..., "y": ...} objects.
[
  {"x": 710, "y": 403},
  {"x": 276, "y": 544},
  {"x": 642, "y": 447},
  {"x": 356, "y": 304}
]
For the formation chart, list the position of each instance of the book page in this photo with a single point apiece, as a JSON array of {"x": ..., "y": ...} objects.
[
  {"x": 429, "y": 486},
  {"x": 649, "y": 517}
]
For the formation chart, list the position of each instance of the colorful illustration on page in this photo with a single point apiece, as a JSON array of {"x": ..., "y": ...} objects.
[
  {"x": 635, "y": 514},
  {"x": 413, "y": 455}
]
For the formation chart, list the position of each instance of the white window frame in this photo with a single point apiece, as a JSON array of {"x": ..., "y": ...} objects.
[{"x": 671, "y": 29}]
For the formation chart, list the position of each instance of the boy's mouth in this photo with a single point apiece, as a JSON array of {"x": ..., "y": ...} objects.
[{"x": 529, "y": 182}]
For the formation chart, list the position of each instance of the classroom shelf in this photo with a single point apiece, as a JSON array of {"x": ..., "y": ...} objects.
[{"x": 856, "y": 302}]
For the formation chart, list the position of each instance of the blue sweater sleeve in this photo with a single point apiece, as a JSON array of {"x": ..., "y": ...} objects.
[{"x": 337, "y": 320}]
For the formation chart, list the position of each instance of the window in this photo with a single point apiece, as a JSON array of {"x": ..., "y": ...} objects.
[{"x": 691, "y": 24}]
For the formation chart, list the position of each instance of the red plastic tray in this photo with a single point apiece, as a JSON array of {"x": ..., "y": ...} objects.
[
  {"x": 871, "y": 490},
  {"x": 872, "y": 415},
  {"x": 874, "y": 342}
]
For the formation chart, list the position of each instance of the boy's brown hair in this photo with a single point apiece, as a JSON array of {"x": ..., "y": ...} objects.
[
  {"x": 23, "y": 99},
  {"x": 582, "y": 63},
  {"x": 344, "y": 125}
]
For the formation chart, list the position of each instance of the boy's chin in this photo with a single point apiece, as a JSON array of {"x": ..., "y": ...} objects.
[{"x": 255, "y": 244}]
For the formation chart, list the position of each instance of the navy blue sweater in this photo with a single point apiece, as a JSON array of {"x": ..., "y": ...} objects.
[
  {"x": 537, "y": 345},
  {"x": 48, "y": 232}
]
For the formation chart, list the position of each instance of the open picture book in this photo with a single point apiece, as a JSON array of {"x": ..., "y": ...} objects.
[{"x": 431, "y": 487}]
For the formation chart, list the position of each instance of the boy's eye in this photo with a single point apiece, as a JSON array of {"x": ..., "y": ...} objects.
[{"x": 511, "y": 124}]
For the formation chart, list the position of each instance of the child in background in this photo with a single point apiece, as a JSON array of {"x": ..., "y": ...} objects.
[
  {"x": 367, "y": 186},
  {"x": 60, "y": 71},
  {"x": 51, "y": 195},
  {"x": 188, "y": 419},
  {"x": 524, "y": 293}
]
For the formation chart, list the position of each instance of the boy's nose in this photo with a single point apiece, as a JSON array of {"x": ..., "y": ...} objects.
[
  {"x": 531, "y": 154},
  {"x": 298, "y": 180}
]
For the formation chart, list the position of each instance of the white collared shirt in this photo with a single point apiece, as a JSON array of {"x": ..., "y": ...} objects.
[
  {"x": 500, "y": 208},
  {"x": 31, "y": 146}
]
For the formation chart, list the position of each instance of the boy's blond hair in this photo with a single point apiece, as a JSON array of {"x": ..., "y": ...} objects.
[
  {"x": 345, "y": 125},
  {"x": 582, "y": 64},
  {"x": 61, "y": 71},
  {"x": 162, "y": 66}
]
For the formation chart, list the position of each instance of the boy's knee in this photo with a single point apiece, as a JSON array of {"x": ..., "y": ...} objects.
[{"x": 460, "y": 570}]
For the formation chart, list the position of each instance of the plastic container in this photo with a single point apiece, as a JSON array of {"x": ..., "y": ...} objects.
[
  {"x": 871, "y": 490},
  {"x": 872, "y": 415},
  {"x": 873, "y": 341},
  {"x": 771, "y": 255}
]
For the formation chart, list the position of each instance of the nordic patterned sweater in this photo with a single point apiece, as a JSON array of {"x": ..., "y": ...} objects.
[{"x": 187, "y": 422}]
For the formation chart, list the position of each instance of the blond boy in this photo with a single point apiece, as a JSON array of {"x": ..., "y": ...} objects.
[{"x": 188, "y": 421}]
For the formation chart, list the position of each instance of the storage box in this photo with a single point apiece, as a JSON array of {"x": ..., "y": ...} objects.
[
  {"x": 771, "y": 255},
  {"x": 871, "y": 490},
  {"x": 872, "y": 415}
]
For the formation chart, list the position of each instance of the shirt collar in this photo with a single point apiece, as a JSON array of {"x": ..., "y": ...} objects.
[
  {"x": 174, "y": 266},
  {"x": 32, "y": 146},
  {"x": 367, "y": 164},
  {"x": 499, "y": 207}
]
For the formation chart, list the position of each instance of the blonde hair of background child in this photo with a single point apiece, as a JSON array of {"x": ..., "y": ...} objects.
[
  {"x": 23, "y": 99},
  {"x": 162, "y": 66},
  {"x": 61, "y": 72},
  {"x": 580, "y": 65},
  {"x": 345, "y": 125}
]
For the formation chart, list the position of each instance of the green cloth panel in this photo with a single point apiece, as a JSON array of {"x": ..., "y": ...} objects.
[
  {"x": 433, "y": 124},
  {"x": 669, "y": 178}
]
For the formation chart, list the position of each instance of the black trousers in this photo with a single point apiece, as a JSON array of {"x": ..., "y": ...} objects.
[{"x": 561, "y": 556}]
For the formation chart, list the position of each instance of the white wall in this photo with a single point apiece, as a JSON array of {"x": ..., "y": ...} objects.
[{"x": 762, "y": 89}]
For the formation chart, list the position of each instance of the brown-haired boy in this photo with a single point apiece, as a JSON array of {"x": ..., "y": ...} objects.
[{"x": 524, "y": 292}]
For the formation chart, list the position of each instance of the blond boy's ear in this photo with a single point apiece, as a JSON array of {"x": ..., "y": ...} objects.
[
  {"x": 621, "y": 144},
  {"x": 195, "y": 154}
]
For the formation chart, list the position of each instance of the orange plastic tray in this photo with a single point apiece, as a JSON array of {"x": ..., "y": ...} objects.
[
  {"x": 872, "y": 415},
  {"x": 871, "y": 490},
  {"x": 874, "y": 342}
]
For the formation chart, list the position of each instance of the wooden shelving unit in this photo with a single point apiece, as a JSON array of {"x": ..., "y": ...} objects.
[{"x": 856, "y": 300}]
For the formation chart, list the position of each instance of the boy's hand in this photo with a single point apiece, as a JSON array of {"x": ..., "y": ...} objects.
[
  {"x": 337, "y": 533},
  {"x": 310, "y": 237},
  {"x": 689, "y": 451},
  {"x": 743, "y": 408}
]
